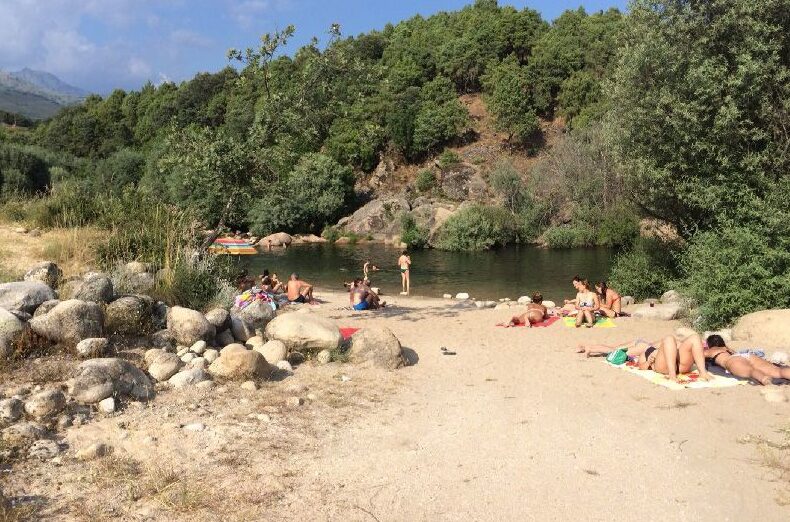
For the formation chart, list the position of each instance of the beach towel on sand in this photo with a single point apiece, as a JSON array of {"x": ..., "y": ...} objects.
[
  {"x": 600, "y": 322},
  {"x": 543, "y": 324},
  {"x": 687, "y": 380},
  {"x": 348, "y": 332}
]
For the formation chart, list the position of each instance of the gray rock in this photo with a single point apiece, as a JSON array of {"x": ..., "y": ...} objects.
[
  {"x": 45, "y": 404},
  {"x": 11, "y": 329},
  {"x": 98, "y": 379},
  {"x": 225, "y": 338},
  {"x": 284, "y": 366},
  {"x": 219, "y": 317},
  {"x": 96, "y": 288},
  {"x": 187, "y": 357},
  {"x": 199, "y": 362},
  {"x": 24, "y": 296},
  {"x": 524, "y": 299},
  {"x": 240, "y": 366},
  {"x": 44, "y": 450},
  {"x": 240, "y": 328},
  {"x": 379, "y": 216},
  {"x": 671, "y": 296},
  {"x": 45, "y": 307},
  {"x": 295, "y": 358},
  {"x": 249, "y": 386},
  {"x": 461, "y": 296},
  {"x": 627, "y": 300},
  {"x": 47, "y": 272},
  {"x": 189, "y": 377},
  {"x": 304, "y": 332},
  {"x": 189, "y": 326},
  {"x": 159, "y": 316},
  {"x": 163, "y": 365},
  {"x": 198, "y": 348},
  {"x": 377, "y": 346},
  {"x": 11, "y": 410},
  {"x": 163, "y": 339},
  {"x": 93, "y": 347},
  {"x": 273, "y": 351},
  {"x": 22, "y": 434},
  {"x": 257, "y": 314},
  {"x": 69, "y": 322},
  {"x": 210, "y": 355},
  {"x": 129, "y": 315},
  {"x": 255, "y": 340}
]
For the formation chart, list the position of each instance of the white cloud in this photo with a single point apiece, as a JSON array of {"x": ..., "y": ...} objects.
[
  {"x": 139, "y": 68},
  {"x": 246, "y": 12},
  {"x": 190, "y": 38}
]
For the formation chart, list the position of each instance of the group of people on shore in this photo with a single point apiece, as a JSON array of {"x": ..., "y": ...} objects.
[
  {"x": 587, "y": 305},
  {"x": 294, "y": 290}
]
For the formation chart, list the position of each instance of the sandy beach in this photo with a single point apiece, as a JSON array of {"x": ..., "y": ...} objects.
[{"x": 515, "y": 426}]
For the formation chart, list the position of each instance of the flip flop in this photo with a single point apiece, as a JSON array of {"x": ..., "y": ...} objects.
[{"x": 448, "y": 353}]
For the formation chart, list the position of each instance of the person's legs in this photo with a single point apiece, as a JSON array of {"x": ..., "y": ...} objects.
[
  {"x": 403, "y": 281},
  {"x": 742, "y": 367},
  {"x": 588, "y": 316},
  {"x": 408, "y": 280},
  {"x": 516, "y": 320},
  {"x": 669, "y": 352},
  {"x": 579, "y": 318},
  {"x": 769, "y": 368},
  {"x": 692, "y": 350},
  {"x": 608, "y": 312}
]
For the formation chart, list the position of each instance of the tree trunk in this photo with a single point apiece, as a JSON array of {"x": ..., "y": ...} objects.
[{"x": 218, "y": 229}]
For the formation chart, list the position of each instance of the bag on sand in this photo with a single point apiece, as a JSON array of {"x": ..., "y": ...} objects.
[{"x": 619, "y": 356}]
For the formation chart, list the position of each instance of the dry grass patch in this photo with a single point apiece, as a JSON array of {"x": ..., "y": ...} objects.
[
  {"x": 73, "y": 249},
  {"x": 775, "y": 457}
]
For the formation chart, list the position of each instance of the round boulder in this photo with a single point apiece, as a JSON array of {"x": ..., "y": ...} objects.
[
  {"x": 671, "y": 296},
  {"x": 273, "y": 351},
  {"x": 304, "y": 332},
  {"x": 47, "y": 272},
  {"x": 162, "y": 365},
  {"x": 45, "y": 307},
  {"x": 11, "y": 410},
  {"x": 377, "y": 346},
  {"x": 24, "y": 296},
  {"x": 11, "y": 328},
  {"x": 240, "y": 328},
  {"x": 257, "y": 314},
  {"x": 188, "y": 377},
  {"x": 219, "y": 317},
  {"x": 189, "y": 326},
  {"x": 240, "y": 366},
  {"x": 96, "y": 288},
  {"x": 129, "y": 315},
  {"x": 69, "y": 322},
  {"x": 766, "y": 329},
  {"x": 98, "y": 379},
  {"x": 660, "y": 312},
  {"x": 45, "y": 404},
  {"x": 276, "y": 240}
]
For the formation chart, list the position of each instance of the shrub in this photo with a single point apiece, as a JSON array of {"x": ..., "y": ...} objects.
[
  {"x": 331, "y": 233},
  {"x": 647, "y": 270},
  {"x": 507, "y": 183},
  {"x": 412, "y": 234},
  {"x": 568, "y": 236},
  {"x": 734, "y": 271},
  {"x": 619, "y": 227},
  {"x": 426, "y": 180},
  {"x": 449, "y": 158},
  {"x": 477, "y": 227}
]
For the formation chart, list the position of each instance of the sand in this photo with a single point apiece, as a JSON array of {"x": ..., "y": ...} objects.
[{"x": 515, "y": 426}]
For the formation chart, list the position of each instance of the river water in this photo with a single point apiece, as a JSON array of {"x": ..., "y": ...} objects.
[{"x": 507, "y": 272}]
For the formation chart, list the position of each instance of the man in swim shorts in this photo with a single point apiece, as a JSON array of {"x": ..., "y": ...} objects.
[
  {"x": 299, "y": 291},
  {"x": 358, "y": 295}
]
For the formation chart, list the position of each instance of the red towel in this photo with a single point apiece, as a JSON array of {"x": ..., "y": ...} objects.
[
  {"x": 543, "y": 324},
  {"x": 348, "y": 332}
]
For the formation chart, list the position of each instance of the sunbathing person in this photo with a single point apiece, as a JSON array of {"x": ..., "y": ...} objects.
[
  {"x": 746, "y": 365},
  {"x": 610, "y": 301},
  {"x": 570, "y": 304},
  {"x": 586, "y": 303},
  {"x": 536, "y": 313},
  {"x": 299, "y": 291}
]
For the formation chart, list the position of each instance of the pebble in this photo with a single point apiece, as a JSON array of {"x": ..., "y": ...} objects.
[
  {"x": 524, "y": 299},
  {"x": 107, "y": 405},
  {"x": 199, "y": 347},
  {"x": 312, "y": 397},
  {"x": 345, "y": 378},
  {"x": 44, "y": 450},
  {"x": 188, "y": 357},
  {"x": 324, "y": 357},
  {"x": 447, "y": 296},
  {"x": 195, "y": 426},
  {"x": 284, "y": 366},
  {"x": 95, "y": 450},
  {"x": 294, "y": 401},
  {"x": 462, "y": 296},
  {"x": 11, "y": 409},
  {"x": 205, "y": 385},
  {"x": 249, "y": 386},
  {"x": 211, "y": 355},
  {"x": 181, "y": 350}
]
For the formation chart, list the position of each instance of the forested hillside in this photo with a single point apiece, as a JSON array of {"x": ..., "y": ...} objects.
[{"x": 678, "y": 111}]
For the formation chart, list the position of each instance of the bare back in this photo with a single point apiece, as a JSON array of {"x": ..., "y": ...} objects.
[{"x": 294, "y": 288}]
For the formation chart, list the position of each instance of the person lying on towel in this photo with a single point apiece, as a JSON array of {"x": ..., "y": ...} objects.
[
  {"x": 535, "y": 313},
  {"x": 746, "y": 364}
]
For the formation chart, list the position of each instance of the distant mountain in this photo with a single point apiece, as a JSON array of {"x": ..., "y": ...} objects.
[{"x": 36, "y": 94}]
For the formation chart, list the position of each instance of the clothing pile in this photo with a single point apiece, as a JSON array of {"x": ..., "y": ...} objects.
[{"x": 248, "y": 297}]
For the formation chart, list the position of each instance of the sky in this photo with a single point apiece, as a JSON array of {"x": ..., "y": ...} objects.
[{"x": 100, "y": 45}]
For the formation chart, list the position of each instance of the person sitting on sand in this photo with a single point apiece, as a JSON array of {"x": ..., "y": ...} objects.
[
  {"x": 404, "y": 262},
  {"x": 610, "y": 300},
  {"x": 570, "y": 304},
  {"x": 535, "y": 313},
  {"x": 586, "y": 303},
  {"x": 358, "y": 295},
  {"x": 299, "y": 291},
  {"x": 668, "y": 356},
  {"x": 746, "y": 365}
]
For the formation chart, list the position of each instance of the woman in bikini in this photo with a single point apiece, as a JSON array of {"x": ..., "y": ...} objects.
[
  {"x": 669, "y": 356},
  {"x": 404, "y": 262},
  {"x": 611, "y": 302},
  {"x": 535, "y": 313},
  {"x": 744, "y": 364},
  {"x": 586, "y": 303}
]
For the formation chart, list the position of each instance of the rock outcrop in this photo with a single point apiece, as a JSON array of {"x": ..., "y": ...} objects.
[{"x": 765, "y": 329}]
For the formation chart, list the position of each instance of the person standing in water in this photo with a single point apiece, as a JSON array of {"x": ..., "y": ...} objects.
[{"x": 404, "y": 262}]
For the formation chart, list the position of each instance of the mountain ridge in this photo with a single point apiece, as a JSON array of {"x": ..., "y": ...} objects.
[{"x": 36, "y": 94}]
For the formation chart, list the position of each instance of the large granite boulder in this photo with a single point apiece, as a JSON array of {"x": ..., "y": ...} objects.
[
  {"x": 189, "y": 326},
  {"x": 257, "y": 314},
  {"x": 276, "y": 240},
  {"x": 129, "y": 315},
  {"x": 11, "y": 328},
  {"x": 377, "y": 346},
  {"x": 24, "y": 296},
  {"x": 98, "y": 379},
  {"x": 219, "y": 318},
  {"x": 93, "y": 347},
  {"x": 96, "y": 288},
  {"x": 765, "y": 329},
  {"x": 462, "y": 182},
  {"x": 240, "y": 365},
  {"x": 69, "y": 322},
  {"x": 45, "y": 404},
  {"x": 304, "y": 332},
  {"x": 240, "y": 328},
  {"x": 379, "y": 216},
  {"x": 162, "y": 365},
  {"x": 273, "y": 351},
  {"x": 45, "y": 307},
  {"x": 47, "y": 272},
  {"x": 660, "y": 312}
]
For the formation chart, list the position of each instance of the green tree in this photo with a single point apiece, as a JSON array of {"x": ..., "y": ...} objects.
[{"x": 509, "y": 101}]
